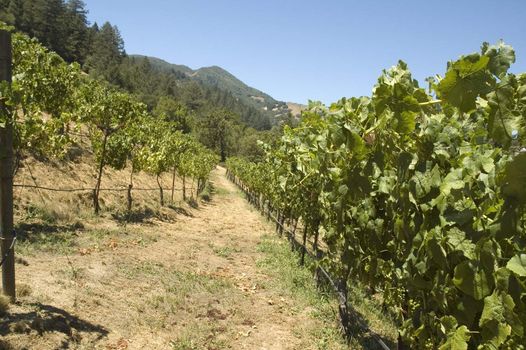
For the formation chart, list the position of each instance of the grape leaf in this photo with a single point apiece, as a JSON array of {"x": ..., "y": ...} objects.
[
  {"x": 501, "y": 57},
  {"x": 458, "y": 340},
  {"x": 472, "y": 280},
  {"x": 514, "y": 183},
  {"x": 517, "y": 265},
  {"x": 465, "y": 80}
]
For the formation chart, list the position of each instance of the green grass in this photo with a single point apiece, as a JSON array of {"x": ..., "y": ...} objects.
[
  {"x": 298, "y": 282},
  {"x": 184, "y": 343},
  {"x": 66, "y": 240},
  {"x": 59, "y": 243},
  {"x": 34, "y": 211},
  {"x": 288, "y": 276},
  {"x": 220, "y": 191},
  {"x": 73, "y": 273},
  {"x": 183, "y": 282},
  {"x": 52, "y": 214},
  {"x": 144, "y": 269},
  {"x": 197, "y": 336},
  {"x": 207, "y": 192},
  {"x": 377, "y": 319},
  {"x": 225, "y": 251},
  {"x": 174, "y": 282},
  {"x": 175, "y": 288}
]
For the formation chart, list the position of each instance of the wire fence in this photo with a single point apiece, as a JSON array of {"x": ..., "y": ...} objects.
[
  {"x": 84, "y": 189},
  {"x": 11, "y": 248},
  {"x": 341, "y": 296}
]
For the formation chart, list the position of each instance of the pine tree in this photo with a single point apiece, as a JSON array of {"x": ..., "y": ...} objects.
[
  {"x": 106, "y": 54},
  {"x": 76, "y": 26},
  {"x": 6, "y": 12}
]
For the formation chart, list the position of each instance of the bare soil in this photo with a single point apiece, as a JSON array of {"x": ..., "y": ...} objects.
[{"x": 192, "y": 280}]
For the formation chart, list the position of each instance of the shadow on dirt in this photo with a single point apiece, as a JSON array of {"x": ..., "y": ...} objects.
[
  {"x": 146, "y": 215},
  {"x": 135, "y": 216},
  {"x": 366, "y": 339},
  {"x": 24, "y": 229},
  {"x": 47, "y": 318},
  {"x": 181, "y": 211}
]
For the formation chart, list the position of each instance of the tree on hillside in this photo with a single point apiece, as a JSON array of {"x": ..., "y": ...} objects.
[
  {"x": 9, "y": 9},
  {"x": 174, "y": 112},
  {"x": 216, "y": 130},
  {"x": 45, "y": 20},
  {"x": 60, "y": 26},
  {"x": 192, "y": 95},
  {"x": 107, "y": 52},
  {"x": 249, "y": 143},
  {"x": 139, "y": 76},
  {"x": 76, "y": 44}
]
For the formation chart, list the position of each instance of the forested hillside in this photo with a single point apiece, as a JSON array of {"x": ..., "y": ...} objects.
[
  {"x": 259, "y": 106},
  {"x": 209, "y": 98},
  {"x": 123, "y": 232},
  {"x": 143, "y": 76}
]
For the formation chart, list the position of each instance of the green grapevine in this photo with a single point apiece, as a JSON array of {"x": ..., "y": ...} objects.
[
  {"x": 49, "y": 97},
  {"x": 419, "y": 195}
]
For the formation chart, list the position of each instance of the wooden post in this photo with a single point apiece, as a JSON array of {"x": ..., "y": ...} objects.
[
  {"x": 173, "y": 184},
  {"x": 304, "y": 247},
  {"x": 184, "y": 187},
  {"x": 161, "y": 194},
  {"x": 282, "y": 223},
  {"x": 130, "y": 199},
  {"x": 6, "y": 175}
]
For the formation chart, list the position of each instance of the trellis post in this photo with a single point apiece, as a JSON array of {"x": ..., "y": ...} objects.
[{"x": 6, "y": 174}]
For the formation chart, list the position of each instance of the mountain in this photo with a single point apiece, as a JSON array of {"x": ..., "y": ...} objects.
[
  {"x": 218, "y": 77},
  {"x": 165, "y": 66},
  {"x": 296, "y": 108}
]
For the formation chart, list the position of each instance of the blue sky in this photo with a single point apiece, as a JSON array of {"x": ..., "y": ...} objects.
[{"x": 296, "y": 50}]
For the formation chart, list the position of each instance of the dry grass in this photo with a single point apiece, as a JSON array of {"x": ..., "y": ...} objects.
[
  {"x": 176, "y": 277},
  {"x": 23, "y": 290},
  {"x": 296, "y": 108},
  {"x": 52, "y": 207},
  {"x": 4, "y": 305}
]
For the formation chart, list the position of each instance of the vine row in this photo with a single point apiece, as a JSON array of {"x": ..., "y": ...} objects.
[
  {"x": 420, "y": 195},
  {"x": 50, "y": 102}
]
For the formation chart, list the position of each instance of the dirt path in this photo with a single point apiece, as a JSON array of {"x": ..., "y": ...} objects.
[{"x": 194, "y": 283}]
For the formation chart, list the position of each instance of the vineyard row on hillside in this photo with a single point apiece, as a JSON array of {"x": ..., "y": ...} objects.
[
  {"x": 50, "y": 102},
  {"x": 418, "y": 194}
]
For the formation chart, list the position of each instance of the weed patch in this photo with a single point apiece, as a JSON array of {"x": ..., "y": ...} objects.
[
  {"x": 59, "y": 243},
  {"x": 4, "y": 304},
  {"x": 224, "y": 252},
  {"x": 298, "y": 282}
]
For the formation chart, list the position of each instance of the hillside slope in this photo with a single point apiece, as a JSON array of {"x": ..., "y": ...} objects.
[
  {"x": 296, "y": 108},
  {"x": 215, "y": 76},
  {"x": 188, "y": 280}
]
